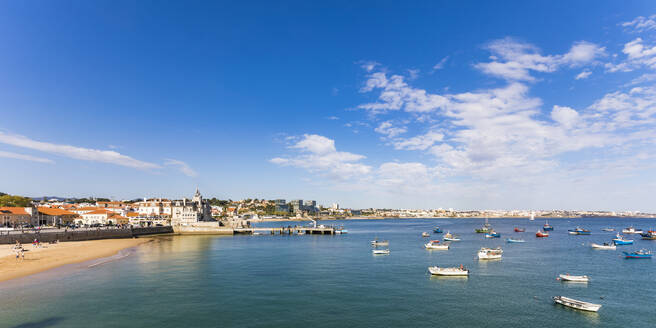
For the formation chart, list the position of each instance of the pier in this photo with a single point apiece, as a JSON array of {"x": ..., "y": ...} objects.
[{"x": 288, "y": 230}]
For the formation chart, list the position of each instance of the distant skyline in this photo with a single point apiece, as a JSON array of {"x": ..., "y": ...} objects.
[{"x": 466, "y": 105}]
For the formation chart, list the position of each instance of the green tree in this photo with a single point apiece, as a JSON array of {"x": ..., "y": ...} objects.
[{"x": 15, "y": 201}]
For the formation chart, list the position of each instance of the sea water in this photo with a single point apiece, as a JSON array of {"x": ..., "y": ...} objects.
[{"x": 335, "y": 281}]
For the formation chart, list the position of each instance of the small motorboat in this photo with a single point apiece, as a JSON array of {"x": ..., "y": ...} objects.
[
  {"x": 641, "y": 254},
  {"x": 490, "y": 253},
  {"x": 492, "y": 234},
  {"x": 603, "y": 246},
  {"x": 541, "y": 234},
  {"x": 510, "y": 240},
  {"x": 571, "y": 278},
  {"x": 547, "y": 226},
  {"x": 579, "y": 231},
  {"x": 455, "y": 271},
  {"x": 631, "y": 230},
  {"x": 620, "y": 240},
  {"x": 380, "y": 251},
  {"x": 450, "y": 237},
  {"x": 435, "y": 244},
  {"x": 608, "y": 229},
  {"x": 519, "y": 230},
  {"x": 650, "y": 235},
  {"x": 377, "y": 242},
  {"x": 437, "y": 230},
  {"x": 425, "y": 234},
  {"x": 576, "y": 304}
]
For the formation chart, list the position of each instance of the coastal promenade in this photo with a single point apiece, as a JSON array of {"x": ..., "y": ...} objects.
[{"x": 79, "y": 234}]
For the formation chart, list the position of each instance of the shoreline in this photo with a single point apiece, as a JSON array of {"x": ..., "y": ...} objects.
[{"x": 51, "y": 256}]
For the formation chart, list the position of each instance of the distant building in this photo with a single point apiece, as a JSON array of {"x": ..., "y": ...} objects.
[
  {"x": 297, "y": 205},
  {"x": 190, "y": 211},
  {"x": 311, "y": 206},
  {"x": 14, "y": 216},
  {"x": 334, "y": 206},
  {"x": 281, "y": 205}
]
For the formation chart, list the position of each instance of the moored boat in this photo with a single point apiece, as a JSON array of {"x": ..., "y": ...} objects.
[
  {"x": 435, "y": 244},
  {"x": 576, "y": 304},
  {"x": 425, "y": 234},
  {"x": 641, "y": 254},
  {"x": 630, "y": 230},
  {"x": 450, "y": 237},
  {"x": 380, "y": 251},
  {"x": 510, "y": 240},
  {"x": 650, "y": 235},
  {"x": 547, "y": 226},
  {"x": 571, "y": 278},
  {"x": 620, "y": 240},
  {"x": 455, "y": 271},
  {"x": 437, "y": 230},
  {"x": 377, "y": 242},
  {"x": 492, "y": 234},
  {"x": 579, "y": 231},
  {"x": 603, "y": 246},
  {"x": 490, "y": 253},
  {"x": 607, "y": 229},
  {"x": 519, "y": 229},
  {"x": 541, "y": 234},
  {"x": 484, "y": 229}
]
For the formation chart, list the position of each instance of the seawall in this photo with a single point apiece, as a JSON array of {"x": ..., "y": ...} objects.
[{"x": 46, "y": 236}]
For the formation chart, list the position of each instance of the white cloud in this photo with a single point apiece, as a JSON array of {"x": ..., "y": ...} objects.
[
  {"x": 441, "y": 63},
  {"x": 85, "y": 154},
  {"x": 421, "y": 142},
  {"x": 182, "y": 166},
  {"x": 7, "y": 154},
  {"x": 583, "y": 75},
  {"x": 319, "y": 155},
  {"x": 513, "y": 60},
  {"x": 641, "y": 23},
  {"x": 626, "y": 109},
  {"x": 638, "y": 55},
  {"x": 582, "y": 52},
  {"x": 566, "y": 116},
  {"x": 369, "y": 65},
  {"x": 390, "y": 130}
]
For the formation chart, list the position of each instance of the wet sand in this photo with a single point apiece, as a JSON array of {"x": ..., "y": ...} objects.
[{"x": 49, "y": 256}]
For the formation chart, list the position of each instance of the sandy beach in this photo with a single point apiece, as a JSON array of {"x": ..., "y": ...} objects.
[{"x": 49, "y": 256}]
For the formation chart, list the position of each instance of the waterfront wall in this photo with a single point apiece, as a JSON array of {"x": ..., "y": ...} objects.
[
  {"x": 46, "y": 236},
  {"x": 203, "y": 228}
]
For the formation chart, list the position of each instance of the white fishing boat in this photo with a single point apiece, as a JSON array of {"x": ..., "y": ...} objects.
[
  {"x": 380, "y": 251},
  {"x": 461, "y": 271},
  {"x": 631, "y": 230},
  {"x": 435, "y": 244},
  {"x": 604, "y": 246},
  {"x": 377, "y": 242},
  {"x": 425, "y": 234},
  {"x": 490, "y": 253},
  {"x": 571, "y": 278},
  {"x": 576, "y": 304}
]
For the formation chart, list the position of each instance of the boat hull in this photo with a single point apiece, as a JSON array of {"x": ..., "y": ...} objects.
[
  {"x": 622, "y": 242},
  {"x": 436, "y": 247},
  {"x": 451, "y": 272},
  {"x": 575, "y": 304},
  {"x": 607, "y": 247},
  {"x": 570, "y": 278}
]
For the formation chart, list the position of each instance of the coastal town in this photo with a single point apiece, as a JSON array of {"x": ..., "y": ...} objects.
[{"x": 147, "y": 212}]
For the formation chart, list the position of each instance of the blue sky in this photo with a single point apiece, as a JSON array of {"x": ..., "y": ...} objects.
[{"x": 368, "y": 104}]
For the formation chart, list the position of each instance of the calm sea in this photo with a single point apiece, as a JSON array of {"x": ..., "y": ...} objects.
[{"x": 335, "y": 281}]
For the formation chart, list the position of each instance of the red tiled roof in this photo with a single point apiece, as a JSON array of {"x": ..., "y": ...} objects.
[{"x": 13, "y": 210}]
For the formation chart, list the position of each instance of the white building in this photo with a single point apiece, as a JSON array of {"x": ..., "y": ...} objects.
[{"x": 185, "y": 212}]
